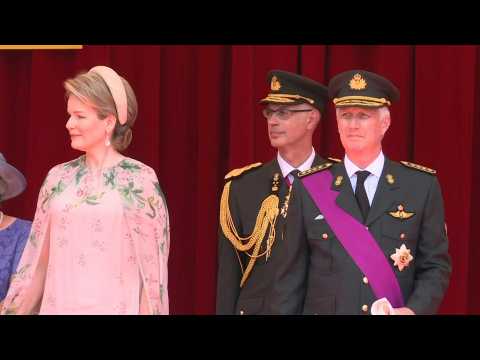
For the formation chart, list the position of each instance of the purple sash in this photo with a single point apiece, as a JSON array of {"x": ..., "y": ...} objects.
[{"x": 355, "y": 238}]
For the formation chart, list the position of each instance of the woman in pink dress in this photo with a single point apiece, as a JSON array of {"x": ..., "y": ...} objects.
[{"x": 100, "y": 238}]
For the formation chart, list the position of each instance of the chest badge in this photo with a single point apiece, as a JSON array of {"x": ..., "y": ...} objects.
[
  {"x": 401, "y": 213},
  {"x": 402, "y": 257}
]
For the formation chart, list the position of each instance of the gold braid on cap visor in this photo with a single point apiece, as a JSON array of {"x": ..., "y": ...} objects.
[
  {"x": 286, "y": 98},
  {"x": 361, "y": 100}
]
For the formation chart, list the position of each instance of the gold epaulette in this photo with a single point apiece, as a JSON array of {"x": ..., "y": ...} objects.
[
  {"x": 335, "y": 160},
  {"x": 315, "y": 169},
  {"x": 418, "y": 167},
  {"x": 240, "y": 171}
]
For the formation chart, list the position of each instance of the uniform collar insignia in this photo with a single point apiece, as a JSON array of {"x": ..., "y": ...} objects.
[{"x": 338, "y": 180}]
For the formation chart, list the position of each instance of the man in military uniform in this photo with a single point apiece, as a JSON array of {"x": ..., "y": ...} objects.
[
  {"x": 254, "y": 203},
  {"x": 373, "y": 229}
]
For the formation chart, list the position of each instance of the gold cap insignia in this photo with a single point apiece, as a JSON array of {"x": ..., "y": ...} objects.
[
  {"x": 401, "y": 213},
  {"x": 390, "y": 179},
  {"x": 275, "y": 84},
  {"x": 402, "y": 257},
  {"x": 357, "y": 82}
]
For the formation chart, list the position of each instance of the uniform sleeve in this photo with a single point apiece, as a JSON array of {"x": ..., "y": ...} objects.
[
  {"x": 290, "y": 280},
  {"x": 229, "y": 272},
  {"x": 433, "y": 265}
]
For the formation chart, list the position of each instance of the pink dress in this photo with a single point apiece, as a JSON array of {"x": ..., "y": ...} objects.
[{"x": 107, "y": 240}]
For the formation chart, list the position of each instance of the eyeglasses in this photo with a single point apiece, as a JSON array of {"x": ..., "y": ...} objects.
[{"x": 282, "y": 113}]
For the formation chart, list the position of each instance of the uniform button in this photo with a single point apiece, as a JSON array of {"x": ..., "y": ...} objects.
[
  {"x": 402, "y": 236},
  {"x": 241, "y": 312},
  {"x": 365, "y": 280},
  {"x": 365, "y": 308},
  {"x": 325, "y": 236}
]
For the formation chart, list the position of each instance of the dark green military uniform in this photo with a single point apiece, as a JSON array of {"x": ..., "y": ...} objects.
[
  {"x": 333, "y": 282},
  {"x": 255, "y": 297},
  {"x": 243, "y": 289}
]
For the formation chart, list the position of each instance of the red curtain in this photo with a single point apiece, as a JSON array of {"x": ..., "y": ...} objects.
[{"x": 199, "y": 117}]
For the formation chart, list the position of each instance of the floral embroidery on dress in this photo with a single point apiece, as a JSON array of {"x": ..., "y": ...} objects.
[
  {"x": 161, "y": 292},
  {"x": 81, "y": 260},
  {"x": 20, "y": 273},
  {"x": 127, "y": 165},
  {"x": 75, "y": 163},
  {"x": 110, "y": 178},
  {"x": 80, "y": 173},
  {"x": 32, "y": 239},
  {"x": 100, "y": 245},
  {"x": 97, "y": 226},
  {"x": 55, "y": 191},
  {"x": 146, "y": 231},
  {"x": 62, "y": 242},
  {"x": 130, "y": 194}
]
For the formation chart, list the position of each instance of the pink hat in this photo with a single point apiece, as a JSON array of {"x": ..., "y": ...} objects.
[{"x": 115, "y": 84}]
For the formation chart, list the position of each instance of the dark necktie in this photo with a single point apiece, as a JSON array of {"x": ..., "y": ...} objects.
[
  {"x": 294, "y": 173},
  {"x": 361, "y": 194}
]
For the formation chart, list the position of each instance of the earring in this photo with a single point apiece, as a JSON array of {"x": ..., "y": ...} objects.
[{"x": 107, "y": 140}]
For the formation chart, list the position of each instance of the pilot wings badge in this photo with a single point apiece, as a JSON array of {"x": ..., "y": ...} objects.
[{"x": 401, "y": 213}]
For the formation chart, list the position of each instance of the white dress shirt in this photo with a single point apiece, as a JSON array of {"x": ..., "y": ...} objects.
[
  {"x": 286, "y": 168},
  {"x": 375, "y": 168}
]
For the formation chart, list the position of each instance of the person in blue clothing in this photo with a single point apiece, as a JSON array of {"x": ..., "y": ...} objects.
[{"x": 14, "y": 232}]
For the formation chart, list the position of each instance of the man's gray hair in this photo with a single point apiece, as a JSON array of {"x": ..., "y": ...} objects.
[{"x": 384, "y": 112}]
